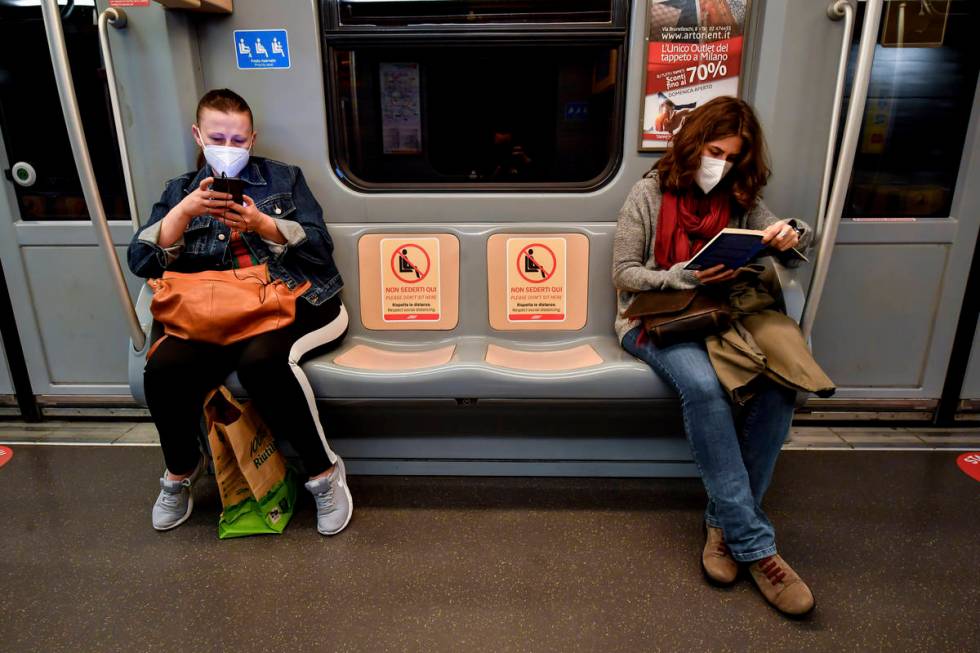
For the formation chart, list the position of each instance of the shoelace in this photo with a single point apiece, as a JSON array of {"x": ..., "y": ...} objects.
[
  {"x": 774, "y": 573},
  {"x": 721, "y": 547},
  {"x": 324, "y": 500},
  {"x": 170, "y": 499}
]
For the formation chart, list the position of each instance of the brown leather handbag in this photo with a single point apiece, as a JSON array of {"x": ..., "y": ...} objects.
[
  {"x": 672, "y": 316},
  {"x": 223, "y": 307}
]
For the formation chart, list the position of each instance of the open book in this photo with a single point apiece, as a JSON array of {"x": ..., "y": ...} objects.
[{"x": 734, "y": 248}]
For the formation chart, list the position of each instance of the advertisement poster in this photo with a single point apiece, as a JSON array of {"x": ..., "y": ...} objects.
[
  {"x": 401, "y": 113},
  {"x": 694, "y": 54},
  {"x": 536, "y": 286},
  {"x": 411, "y": 287}
]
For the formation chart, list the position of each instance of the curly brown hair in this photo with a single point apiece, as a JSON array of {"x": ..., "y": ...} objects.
[{"x": 720, "y": 118}]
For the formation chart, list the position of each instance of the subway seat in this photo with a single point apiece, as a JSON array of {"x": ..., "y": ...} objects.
[
  {"x": 485, "y": 367},
  {"x": 472, "y": 360}
]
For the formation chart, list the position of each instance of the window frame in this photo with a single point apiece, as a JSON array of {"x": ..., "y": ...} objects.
[
  {"x": 331, "y": 19},
  {"x": 335, "y": 38}
]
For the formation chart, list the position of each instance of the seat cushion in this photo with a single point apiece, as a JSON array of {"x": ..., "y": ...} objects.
[{"x": 612, "y": 373}]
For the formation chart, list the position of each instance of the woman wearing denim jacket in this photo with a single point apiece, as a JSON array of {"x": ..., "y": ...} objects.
[
  {"x": 709, "y": 179},
  {"x": 279, "y": 223}
]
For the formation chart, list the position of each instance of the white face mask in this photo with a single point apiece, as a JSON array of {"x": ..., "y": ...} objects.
[
  {"x": 225, "y": 160},
  {"x": 711, "y": 172}
]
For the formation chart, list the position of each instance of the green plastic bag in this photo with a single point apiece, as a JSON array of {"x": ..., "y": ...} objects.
[
  {"x": 251, "y": 517},
  {"x": 258, "y": 491}
]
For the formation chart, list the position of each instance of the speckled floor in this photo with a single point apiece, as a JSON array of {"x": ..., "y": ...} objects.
[{"x": 888, "y": 540}]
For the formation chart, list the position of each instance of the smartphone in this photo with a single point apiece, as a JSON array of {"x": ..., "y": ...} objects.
[{"x": 232, "y": 185}]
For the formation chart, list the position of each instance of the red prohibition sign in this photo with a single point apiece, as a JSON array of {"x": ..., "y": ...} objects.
[
  {"x": 397, "y": 254},
  {"x": 537, "y": 262}
]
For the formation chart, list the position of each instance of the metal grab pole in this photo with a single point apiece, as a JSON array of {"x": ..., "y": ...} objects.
[
  {"x": 117, "y": 18},
  {"x": 845, "y": 164},
  {"x": 86, "y": 174},
  {"x": 839, "y": 9}
]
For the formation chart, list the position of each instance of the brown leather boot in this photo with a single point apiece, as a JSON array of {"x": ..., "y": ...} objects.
[
  {"x": 782, "y": 586},
  {"x": 717, "y": 562}
]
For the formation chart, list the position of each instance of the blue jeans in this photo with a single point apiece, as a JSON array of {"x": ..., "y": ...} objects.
[{"x": 735, "y": 457}]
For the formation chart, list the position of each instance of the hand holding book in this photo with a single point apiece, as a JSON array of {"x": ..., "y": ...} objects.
[
  {"x": 734, "y": 248},
  {"x": 780, "y": 236}
]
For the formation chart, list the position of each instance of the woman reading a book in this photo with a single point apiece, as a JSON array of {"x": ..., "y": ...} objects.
[{"x": 712, "y": 178}]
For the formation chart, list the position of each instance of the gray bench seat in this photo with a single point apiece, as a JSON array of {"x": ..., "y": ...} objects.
[
  {"x": 561, "y": 402},
  {"x": 467, "y": 374}
]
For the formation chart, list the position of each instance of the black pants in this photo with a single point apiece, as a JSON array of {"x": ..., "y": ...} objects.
[{"x": 180, "y": 373}]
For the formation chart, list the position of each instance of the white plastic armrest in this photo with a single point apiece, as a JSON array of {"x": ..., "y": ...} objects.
[{"x": 794, "y": 297}]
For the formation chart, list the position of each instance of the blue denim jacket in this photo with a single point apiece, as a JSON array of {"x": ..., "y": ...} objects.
[{"x": 281, "y": 192}]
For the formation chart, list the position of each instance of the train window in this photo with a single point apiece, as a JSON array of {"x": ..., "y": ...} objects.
[
  {"x": 923, "y": 80},
  {"x": 444, "y": 12},
  {"x": 33, "y": 126},
  {"x": 532, "y": 109}
]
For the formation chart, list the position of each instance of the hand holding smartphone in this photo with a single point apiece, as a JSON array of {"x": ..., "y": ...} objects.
[{"x": 232, "y": 185}]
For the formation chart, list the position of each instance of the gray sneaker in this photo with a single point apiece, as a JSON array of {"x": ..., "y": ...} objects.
[
  {"x": 175, "y": 502},
  {"x": 334, "y": 504}
]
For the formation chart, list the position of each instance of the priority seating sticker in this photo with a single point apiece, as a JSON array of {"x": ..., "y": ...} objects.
[
  {"x": 6, "y": 453},
  {"x": 969, "y": 462},
  {"x": 411, "y": 288},
  {"x": 261, "y": 49}
]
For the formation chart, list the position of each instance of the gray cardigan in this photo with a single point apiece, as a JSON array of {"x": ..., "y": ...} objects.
[{"x": 634, "y": 268}]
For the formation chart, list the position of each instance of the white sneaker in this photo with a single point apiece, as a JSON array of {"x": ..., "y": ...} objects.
[
  {"x": 334, "y": 505},
  {"x": 174, "y": 504}
]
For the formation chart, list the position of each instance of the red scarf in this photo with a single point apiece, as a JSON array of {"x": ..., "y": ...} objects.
[{"x": 686, "y": 223}]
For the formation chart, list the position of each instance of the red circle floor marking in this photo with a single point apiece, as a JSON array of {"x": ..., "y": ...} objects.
[
  {"x": 6, "y": 453},
  {"x": 969, "y": 462}
]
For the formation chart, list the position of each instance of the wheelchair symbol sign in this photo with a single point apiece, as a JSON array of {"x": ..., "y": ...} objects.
[{"x": 257, "y": 49}]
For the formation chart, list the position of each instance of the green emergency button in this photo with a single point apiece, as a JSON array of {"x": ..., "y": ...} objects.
[{"x": 24, "y": 173}]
